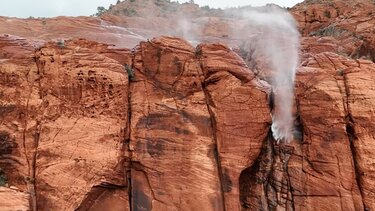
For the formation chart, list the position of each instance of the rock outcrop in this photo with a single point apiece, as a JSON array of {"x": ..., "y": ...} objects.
[
  {"x": 64, "y": 118},
  {"x": 350, "y": 24},
  {"x": 168, "y": 126},
  {"x": 177, "y": 128},
  {"x": 240, "y": 115},
  {"x": 171, "y": 131}
]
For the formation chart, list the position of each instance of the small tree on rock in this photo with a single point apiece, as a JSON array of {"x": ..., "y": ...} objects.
[{"x": 101, "y": 11}]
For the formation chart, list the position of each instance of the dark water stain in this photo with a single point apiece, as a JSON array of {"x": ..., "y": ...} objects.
[
  {"x": 140, "y": 201},
  {"x": 213, "y": 152},
  {"x": 203, "y": 123},
  {"x": 7, "y": 144},
  {"x": 155, "y": 147},
  {"x": 180, "y": 119},
  {"x": 226, "y": 182},
  {"x": 161, "y": 121},
  {"x": 6, "y": 109},
  {"x": 3, "y": 178}
]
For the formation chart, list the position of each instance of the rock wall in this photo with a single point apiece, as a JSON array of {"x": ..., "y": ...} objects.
[
  {"x": 171, "y": 127},
  {"x": 64, "y": 118},
  {"x": 348, "y": 25}
]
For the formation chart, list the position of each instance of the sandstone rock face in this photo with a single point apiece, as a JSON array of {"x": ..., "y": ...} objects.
[
  {"x": 347, "y": 27},
  {"x": 329, "y": 78},
  {"x": 327, "y": 171},
  {"x": 169, "y": 126},
  {"x": 240, "y": 114},
  {"x": 86, "y": 109},
  {"x": 65, "y": 28},
  {"x": 176, "y": 93},
  {"x": 11, "y": 199},
  {"x": 360, "y": 102},
  {"x": 349, "y": 22},
  {"x": 171, "y": 131},
  {"x": 64, "y": 122},
  {"x": 324, "y": 167}
]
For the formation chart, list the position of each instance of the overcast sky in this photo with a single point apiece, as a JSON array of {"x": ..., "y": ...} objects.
[{"x": 51, "y": 8}]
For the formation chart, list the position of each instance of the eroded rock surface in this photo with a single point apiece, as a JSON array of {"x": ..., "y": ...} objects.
[
  {"x": 171, "y": 131},
  {"x": 240, "y": 114},
  {"x": 166, "y": 126},
  {"x": 65, "y": 122},
  {"x": 327, "y": 170},
  {"x": 12, "y": 199},
  {"x": 347, "y": 23}
]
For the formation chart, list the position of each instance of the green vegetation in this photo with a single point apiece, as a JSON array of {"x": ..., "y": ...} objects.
[
  {"x": 3, "y": 178},
  {"x": 329, "y": 2},
  {"x": 30, "y": 179},
  {"x": 198, "y": 51},
  {"x": 130, "y": 12},
  {"x": 167, "y": 6},
  {"x": 340, "y": 72},
  {"x": 330, "y": 30},
  {"x": 130, "y": 71},
  {"x": 61, "y": 43},
  {"x": 206, "y": 7},
  {"x": 101, "y": 11}
]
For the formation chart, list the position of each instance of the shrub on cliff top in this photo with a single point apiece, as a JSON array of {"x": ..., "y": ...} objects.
[
  {"x": 330, "y": 30},
  {"x": 101, "y": 11},
  {"x": 130, "y": 12}
]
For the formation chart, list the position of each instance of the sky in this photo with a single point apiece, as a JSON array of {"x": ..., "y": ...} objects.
[{"x": 52, "y": 8}]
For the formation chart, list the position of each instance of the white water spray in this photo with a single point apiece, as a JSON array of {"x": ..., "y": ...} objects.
[{"x": 278, "y": 45}]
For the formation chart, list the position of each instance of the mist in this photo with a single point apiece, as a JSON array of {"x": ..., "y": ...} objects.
[
  {"x": 277, "y": 43},
  {"x": 272, "y": 37}
]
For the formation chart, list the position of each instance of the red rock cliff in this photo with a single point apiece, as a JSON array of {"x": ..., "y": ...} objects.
[
  {"x": 166, "y": 126},
  {"x": 170, "y": 127}
]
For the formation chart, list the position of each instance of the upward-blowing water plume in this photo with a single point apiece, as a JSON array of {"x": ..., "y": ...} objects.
[{"x": 278, "y": 44}]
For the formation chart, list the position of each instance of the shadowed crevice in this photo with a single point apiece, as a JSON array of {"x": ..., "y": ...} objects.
[
  {"x": 223, "y": 178},
  {"x": 350, "y": 131},
  {"x": 254, "y": 179}
]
